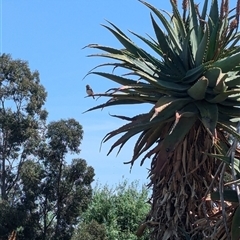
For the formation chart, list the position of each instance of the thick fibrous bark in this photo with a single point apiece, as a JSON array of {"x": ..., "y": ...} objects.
[{"x": 180, "y": 202}]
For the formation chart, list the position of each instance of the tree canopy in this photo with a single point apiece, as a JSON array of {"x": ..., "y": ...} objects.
[
  {"x": 43, "y": 194},
  {"x": 114, "y": 213},
  {"x": 22, "y": 116}
]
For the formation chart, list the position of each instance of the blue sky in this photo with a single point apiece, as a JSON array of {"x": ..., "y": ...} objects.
[{"x": 50, "y": 35}]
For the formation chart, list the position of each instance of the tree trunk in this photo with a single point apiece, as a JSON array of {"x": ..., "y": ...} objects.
[
  {"x": 59, "y": 200},
  {"x": 3, "y": 168}
]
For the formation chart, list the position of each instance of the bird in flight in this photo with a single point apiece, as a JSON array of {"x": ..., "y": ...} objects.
[{"x": 89, "y": 91}]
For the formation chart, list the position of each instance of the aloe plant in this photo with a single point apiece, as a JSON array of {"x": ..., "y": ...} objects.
[{"x": 192, "y": 83}]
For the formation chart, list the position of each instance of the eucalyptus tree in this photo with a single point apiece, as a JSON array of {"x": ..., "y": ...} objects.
[
  {"x": 55, "y": 190},
  {"x": 22, "y": 116},
  {"x": 22, "y": 119}
]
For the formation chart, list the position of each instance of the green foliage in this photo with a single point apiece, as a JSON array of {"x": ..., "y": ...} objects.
[
  {"x": 11, "y": 217},
  {"x": 90, "y": 231},
  {"x": 65, "y": 135},
  {"x": 119, "y": 210},
  {"x": 21, "y": 117},
  {"x": 54, "y": 200},
  {"x": 41, "y": 195},
  {"x": 54, "y": 192}
]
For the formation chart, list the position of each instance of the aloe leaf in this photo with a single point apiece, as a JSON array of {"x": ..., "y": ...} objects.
[
  {"x": 231, "y": 103},
  {"x": 228, "y": 195},
  {"x": 166, "y": 49},
  {"x": 168, "y": 113},
  {"x": 179, "y": 21},
  {"x": 228, "y": 120},
  {"x": 222, "y": 35},
  {"x": 222, "y": 96},
  {"x": 163, "y": 84},
  {"x": 160, "y": 76},
  {"x": 214, "y": 26},
  {"x": 229, "y": 52},
  {"x": 188, "y": 110},
  {"x": 127, "y": 43},
  {"x": 143, "y": 88},
  {"x": 212, "y": 74},
  {"x": 118, "y": 30},
  {"x": 208, "y": 115},
  {"x": 146, "y": 140},
  {"x": 202, "y": 21},
  {"x": 112, "y": 64},
  {"x": 139, "y": 64},
  {"x": 126, "y": 81},
  {"x": 173, "y": 36},
  {"x": 165, "y": 102},
  {"x": 151, "y": 44},
  {"x": 231, "y": 111},
  {"x": 142, "y": 140},
  {"x": 204, "y": 10},
  {"x": 233, "y": 81},
  {"x": 122, "y": 140},
  {"x": 202, "y": 48},
  {"x": 213, "y": 45},
  {"x": 235, "y": 227},
  {"x": 214, "y": 14},
  {"x": 227, "y": 63},
  {"x": 161, "y": 38},
  {"x": 235, "y": 40},
  {"x": 230, "y": 130},
  {"x": 131, "y": 129},
  {"x": 198, "y": 90},
  {"x": 139, "y": 142},
  {"x": 125, "y": 60},
  {"x": 144, "y": 66},
  {"x": 131, "y": 95},
  {"x": 193, "y": 26},
  {"x": 138, "y": 121},
  {"x": 161, "y": 104},
  {"x": 184, "y": 55},
  {"x": 114, "y": 102},
  {"x": 193, "y": 75},
  {"x": 235, "y": 120},
  {"x": 116, "y": 78},
  {"x": 160, "y": 65},
  {"x": 235, "y": 97},
  {"x": 233, "y": 124},
  {"x": 105, "y": 48},
  {"x": 226, "y": 160},
  {"x": 171, "y": 141},
  {"x": 220, "y": 84},
  {"x": 151, "y": 138}
]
